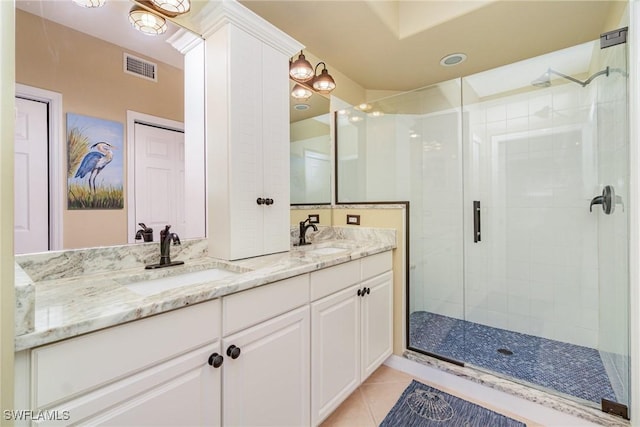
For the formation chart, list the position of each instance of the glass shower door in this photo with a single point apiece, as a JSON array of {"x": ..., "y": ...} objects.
[{"x": 546, "y": 281}]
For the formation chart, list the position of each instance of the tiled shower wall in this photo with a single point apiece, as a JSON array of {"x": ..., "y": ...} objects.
[{"x": 531, "y": 159}]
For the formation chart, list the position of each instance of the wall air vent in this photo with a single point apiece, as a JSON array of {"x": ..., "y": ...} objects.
[{"x": 141, "y": 68}]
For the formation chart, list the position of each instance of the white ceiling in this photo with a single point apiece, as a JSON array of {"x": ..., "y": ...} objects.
[
  {"x": 387, "y": 44},
  {"x": 110, "y": 23}
]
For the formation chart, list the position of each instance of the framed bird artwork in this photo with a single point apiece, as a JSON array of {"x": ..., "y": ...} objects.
[{"x": 95, "y": 164}]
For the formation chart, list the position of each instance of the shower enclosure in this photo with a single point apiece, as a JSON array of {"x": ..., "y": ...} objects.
[{"x": 518, "y": 186}]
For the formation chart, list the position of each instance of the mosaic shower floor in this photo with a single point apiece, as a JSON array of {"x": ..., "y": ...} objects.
[{"x": 575, "y": 370}]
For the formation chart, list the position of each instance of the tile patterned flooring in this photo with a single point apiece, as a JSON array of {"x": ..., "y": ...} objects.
[
  {"x": 571, "y": 369},
  {"x": 369, "y": 404}
]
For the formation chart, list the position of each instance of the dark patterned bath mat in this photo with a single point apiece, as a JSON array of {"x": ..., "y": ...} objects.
[{"x": 421, "y": 405}]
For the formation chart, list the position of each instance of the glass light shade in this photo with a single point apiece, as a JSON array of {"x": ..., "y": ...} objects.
[
  {"x": 301, "y": 92},
  {"x": 324, "y": 83},
  {"x": 90, "y": 3},
  {"x": 173, "y": 6},
  {"x": 147, "y": 22},
  {"x": 301, "y": 69}
]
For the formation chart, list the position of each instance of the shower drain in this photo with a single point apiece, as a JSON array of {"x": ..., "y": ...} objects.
[{"x": 505, "y": 351}]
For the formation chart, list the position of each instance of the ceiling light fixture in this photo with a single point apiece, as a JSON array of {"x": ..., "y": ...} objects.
[
  {"x": 147, "y": 22},
  {"x": 453, "y": 59},
  {"x": 90, "y": 3},
  {"x": 306, "y": 76},
  {"x": 172, "y": 7}
]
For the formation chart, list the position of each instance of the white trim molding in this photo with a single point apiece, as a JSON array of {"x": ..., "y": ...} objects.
[
  {"x": 57, "y": 172},
  {"x": 219, "y": 13},
  {"x": 183, "y": 40}
]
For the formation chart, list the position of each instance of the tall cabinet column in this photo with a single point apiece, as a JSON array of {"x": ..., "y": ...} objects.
[{"x": 247, "y": 132}]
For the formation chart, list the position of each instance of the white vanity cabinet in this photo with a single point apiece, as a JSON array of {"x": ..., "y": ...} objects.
[
  {"x": 351, "y": 328},
  {"x": 266, "y": 343},
  {"x": 287, "y": 353},
  {"x": 154, "y": 371}
]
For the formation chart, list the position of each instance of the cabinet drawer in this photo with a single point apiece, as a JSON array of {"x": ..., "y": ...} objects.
[
  {"x": 170, "y": 393},
  {"x": 77, "y": 365},
  {"x": 329, "y": 280},
  {"x": 256, "y": 305},
  {"x": 376, "y": 264}
]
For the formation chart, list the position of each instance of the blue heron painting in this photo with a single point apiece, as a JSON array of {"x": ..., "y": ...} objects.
[
  {"x": 95, "y": 171},
  {"x": 94, "y": 161}
]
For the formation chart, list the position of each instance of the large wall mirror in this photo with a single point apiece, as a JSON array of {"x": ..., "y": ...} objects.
[
  {"x": 310, "y": 151},
  {"x": 78, "y": 55}
]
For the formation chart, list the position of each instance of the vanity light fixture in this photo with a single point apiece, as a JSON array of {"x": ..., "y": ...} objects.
[
  {"x": 147, "y": 22},
  {"x": 301, "y": 71},
  {"x": 324, "y": 83},
  {"x": 90, "y": 3},
  {"x": 301, "y": 92}
]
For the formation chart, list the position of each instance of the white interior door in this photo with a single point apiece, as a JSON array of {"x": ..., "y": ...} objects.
[
  {"x": 159, "y": 178},
  {"x": 31, "y": 182}
]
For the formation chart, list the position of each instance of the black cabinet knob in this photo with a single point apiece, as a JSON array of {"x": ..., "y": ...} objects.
[
  {"x": 233, "y": 352},
  {"x": 260, "y": 201},
  {"x": 368, "y": 290},
  {"x": 268, "y": 202},
  {"x": 359, "y": 292},
  {"x": 216, "y": 360}
]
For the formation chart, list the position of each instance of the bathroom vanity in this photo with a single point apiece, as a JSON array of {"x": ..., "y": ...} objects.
[{"x": 258, "y": 345}]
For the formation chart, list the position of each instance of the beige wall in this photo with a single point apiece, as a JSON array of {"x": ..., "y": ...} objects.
[
  {"x": 88, "y": 72},
  {"x": 382, "y": 217},
  {"x": 7, "y": 115},
  {"x": 385, "y": 217}
]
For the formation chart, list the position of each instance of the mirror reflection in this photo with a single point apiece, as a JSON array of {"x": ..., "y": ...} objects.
[
  {"x": 310, "y": 151},
  {"x": 90, "y": 62}
]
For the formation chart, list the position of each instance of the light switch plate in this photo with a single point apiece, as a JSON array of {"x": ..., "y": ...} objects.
[
  {"x": 353, "y": 219},
  {"x": 314, "y": 218}
]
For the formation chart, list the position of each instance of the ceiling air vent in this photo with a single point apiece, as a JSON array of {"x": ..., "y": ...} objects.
[{"x": 141, "y": 68}]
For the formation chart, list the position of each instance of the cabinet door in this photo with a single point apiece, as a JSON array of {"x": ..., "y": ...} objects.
[
  {"x": 182, "y": 391},
  {"x": 268, "y": 383},
  {"x": 275, "y": 146},
  {"x": 377, "y": 323},
  {"x": 245, "y": 158},
  {"x": 335, "y": 351}
]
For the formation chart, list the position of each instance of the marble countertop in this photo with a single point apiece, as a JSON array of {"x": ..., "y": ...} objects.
[{"x": 65, "y": 307}]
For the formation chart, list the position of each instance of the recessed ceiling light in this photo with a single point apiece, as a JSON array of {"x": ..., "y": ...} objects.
[
  {"x": 453, "y": 59},
  {"x": 301, "y": 107}
]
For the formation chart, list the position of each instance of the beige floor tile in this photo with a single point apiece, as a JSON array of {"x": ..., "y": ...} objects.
[
  {"x": 382, "y": 396},
  {"x": 354, "y": 412},
  {"x": 385, "y": 374}
]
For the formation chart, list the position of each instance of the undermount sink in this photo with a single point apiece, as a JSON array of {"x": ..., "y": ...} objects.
[
  {"x": 326, "y": 251},
  {"x": 155, "y": 286}
]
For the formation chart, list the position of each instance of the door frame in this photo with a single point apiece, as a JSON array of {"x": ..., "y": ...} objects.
[
  {"x": 57, "y": 184},
  {"x": 134, "y": 117}
]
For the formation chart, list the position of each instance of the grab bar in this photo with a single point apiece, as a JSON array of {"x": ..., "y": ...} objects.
[{"x": 476, "y": 221}]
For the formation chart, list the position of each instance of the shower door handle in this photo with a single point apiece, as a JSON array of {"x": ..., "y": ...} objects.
[
  {"x": 608, "y": 200},
  {"x": 476, "y": 221}
]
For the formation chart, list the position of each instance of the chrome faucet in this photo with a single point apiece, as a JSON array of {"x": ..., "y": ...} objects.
[
  {"x": 303, "y": 231},
  {"x": 166, "y": 237}
]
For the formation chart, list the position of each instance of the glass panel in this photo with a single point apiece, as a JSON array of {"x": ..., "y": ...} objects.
[
  {"x": 530, "y": 285},
  {"x": 613, "y": 234},
  {"x": 380, "y": 145},
  {"x": 545, "y": 287}
]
